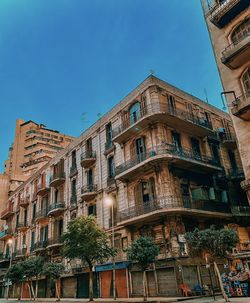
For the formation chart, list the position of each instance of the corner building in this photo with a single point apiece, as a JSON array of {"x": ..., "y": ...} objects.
[
  {"x": 170, "y": 163},
  {"x": 228, "y": 23}
]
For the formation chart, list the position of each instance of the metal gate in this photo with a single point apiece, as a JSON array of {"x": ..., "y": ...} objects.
[
  {"x": 69, "y": 287},
  {"x": 151, "y": 283},
  {"x": 83, "y": 285},
  {"x": 167, "y": 284},
  {"x": 137, "y": 287},
  {"x": 190, "y": 276}
]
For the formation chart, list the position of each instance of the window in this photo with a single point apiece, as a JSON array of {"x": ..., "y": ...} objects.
[
  {"x": 171, "y": 104},
  {"x": 241, "y": 31},
  {"x": 134, "y": 112},
  {"x": 89, "y": 147},
  {"x": 25, "y": 216},
  {"x": 232, "y": 160},
  {"x": 33, "y": 236},
  {"x": 92, "y": 210},
  {"x": 34, "y": 211},
  {"x": 139, "y": 148},
  {"x": 73, "y": 188},
  {"x": 73, "y": 158},
  {"x": 145, "y": 192},
  {"x": 246, "y": 81},
  {"x": 90, "y": 178},
  {"x": 44, "y": 234},
  {"x": 215, "y": 152},
  {"x": 109, "y": 135},
  {"x": 111, "y": 167}
]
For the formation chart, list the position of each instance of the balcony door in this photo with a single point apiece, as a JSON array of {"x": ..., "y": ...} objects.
[
  {"x": 90, "y": 178},
  {"x": 145, "y": 196},
  {"x": 140, "y": 149},
  {"x": 171, "y": 105},
  {"x": 176, "y": 139},
  {"x": 196, "y": 148},
  {"x": 44, "y": 234},
  {"x": 134, "y": 112}
]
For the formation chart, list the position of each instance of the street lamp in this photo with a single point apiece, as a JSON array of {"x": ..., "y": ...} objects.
[
  {"x": 9, "y": 242},
  {"x": 110, "y": 203}
]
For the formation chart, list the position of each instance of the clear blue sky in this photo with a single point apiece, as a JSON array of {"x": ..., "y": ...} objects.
[{"x": 62, "y": 58}]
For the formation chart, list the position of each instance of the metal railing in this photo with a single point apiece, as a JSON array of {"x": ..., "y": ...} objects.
[
  {"x": 234, "y": 44},
  {"x": 40, "y": 245},
  {"x": 218, "y": 10},
  {"x": 90, "y": 188},
  {"x": 58, "y": 175},
  {"x": 57, "y": 205},
  {"x": 41, "y": 213},
  {"x": 167, "y": 149},
  {"x": 242, "y": 100},
  {"x": 73, "y": 169},
  {"x": 73, "y": 199},
  {"x": 236, "y": 173},
  {"x": 88, "y": 155},
  {"x": 240, "y": 210},
  {"x": 169, "y": 203},
  {"x": 158, "y": 107},
  {"x": 55, "y": 240},
  {"x": 22, "y": 224},
  {"x": 6, "y": 232}
]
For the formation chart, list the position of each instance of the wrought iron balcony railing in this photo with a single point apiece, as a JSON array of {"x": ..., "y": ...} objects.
[
  {"x": 156, "y": 108},
  {"x": 167, "y": 149},
  {"x": 90, "y": 188}
]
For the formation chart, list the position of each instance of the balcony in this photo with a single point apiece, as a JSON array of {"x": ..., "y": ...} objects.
[
  {"x": 73, "y": 171},
  {"x": 25, "y": 201},
  {"x": 21, "y": 252},
  {"x": 160, "y": 112},
  {"x": 40, "y": 245},
  {"x": 236, "y": 54},
  {"x": 42, "y": 189},
  {"x": 54, "y": 242},
  {"x": 88, "y": 159},
  {"x": 241, "y": 211},
  {"x": 88, "y": 192},
  {"x": 161, "y": 206},
  {"x": 109, "y": 147},
  {"x": 228, "y": 140},
  {"x": 241, "y": 107},
  {"x": 4, "y": 258},
  {"x": 236, "y": 174},
  {"x": 7, "y": 213},
  {"x": 22, "y": 226},
  {"x": 169, "y": 153},
  {"x": 41, "y": 215},
  {"x": 245, "y": 184},
  {"x": 6, "y": 234},
  {"x": 56, "y": 208},
  {"x": 222, "y": 14},
  {"x": 57, "y": 179}
]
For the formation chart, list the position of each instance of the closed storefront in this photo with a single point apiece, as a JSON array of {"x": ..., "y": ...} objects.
[
  {"x": 136, "y": 283},
  {"x": 42, "y": 288},
  {"x": 69, "y": 287},
  {"x": 83, "y": 285},
  {"x": 205, "y": 278},
  {"x": 167, "y": 284},
  {"x": 151, "y": 283},
  {"x": 190, "y": 276},
  {"x": 107, "y": 283}
]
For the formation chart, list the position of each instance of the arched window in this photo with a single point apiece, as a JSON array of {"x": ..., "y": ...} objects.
[
  {"x": 134, "y": 112},
  {"x": 241, "y": 31},
  {"x": 246, "y": 81}
]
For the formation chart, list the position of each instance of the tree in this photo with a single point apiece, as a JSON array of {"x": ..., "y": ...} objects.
[
  {"x": 218, "y": 243},
  {"x": 85, "y": 240},
  {"x": 15, "y": 275},
  {"x": 54, "y": 271},
  {"x": 32, "y": 268},
  {"x": 143, "y": 251}
]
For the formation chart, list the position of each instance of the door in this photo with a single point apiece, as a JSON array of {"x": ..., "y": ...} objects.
[
  {"x": 196, "y": 148},
  {"x": 185, "y": 195},
  {"x": 152, "y": 291},
  {"x": 134, "y": 113},
  {"x": 167, "y": 284},
  {"x": 171, "y": 105},
  {"x": 69, "y": 287},
  {"x": 215, "y": 152},
  {"x": 90, "y": 179},
  {"x": 140, "y": 149},
  {"x": 83, "y": 285},
  {"x": 176, "y": 139}
]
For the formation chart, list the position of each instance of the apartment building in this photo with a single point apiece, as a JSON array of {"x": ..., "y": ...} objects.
[
  {"x": 228, "y": 22},
  {"x": 168, "y": 161}
]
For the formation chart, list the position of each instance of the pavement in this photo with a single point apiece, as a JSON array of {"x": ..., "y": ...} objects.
[{"x": 218, "y": 299}]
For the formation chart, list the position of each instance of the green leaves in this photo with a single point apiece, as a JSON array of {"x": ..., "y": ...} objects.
[
  {"x": 144, "y": 251},
  {"x": 87, "y": 241},
  {"x": 217, "y": 242},
  {"x": 15, "y": 273},
  {"x": 32, "y": 267},
  {"x": 53, "y": 270}
]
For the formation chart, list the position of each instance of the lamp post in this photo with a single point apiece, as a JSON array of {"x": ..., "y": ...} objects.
[
  {"x": 10, "y": 242},
  {"x": 110, "y": 203}
]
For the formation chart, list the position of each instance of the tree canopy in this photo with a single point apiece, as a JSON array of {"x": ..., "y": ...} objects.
[
  {"x": 144, "y": 251},
  {"x": 216, "y": 242},
  {"x": 53, "y": 270}
]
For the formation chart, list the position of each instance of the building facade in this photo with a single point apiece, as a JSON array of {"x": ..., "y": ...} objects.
[
  {"x": 168, "y": 161},
  {"x": 228, "y": 22}
]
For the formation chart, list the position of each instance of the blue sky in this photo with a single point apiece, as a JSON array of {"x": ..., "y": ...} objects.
[{"x": 62, "y": 58}]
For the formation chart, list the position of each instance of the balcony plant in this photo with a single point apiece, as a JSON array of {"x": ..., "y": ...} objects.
[
  {"x": 87, "y": 241},
  {"x": 143, "y": 251},
  {"x": 212, "y": 243}
]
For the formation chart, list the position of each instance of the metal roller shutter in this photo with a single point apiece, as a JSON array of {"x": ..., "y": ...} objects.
[
  {"x": 151, "y": 284},
  {"x": 136, "y": 277},
  {"x": 190, "y": 275},
  {"x": 69, "y": 287},
  {"x": 167, "y": 281}
]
